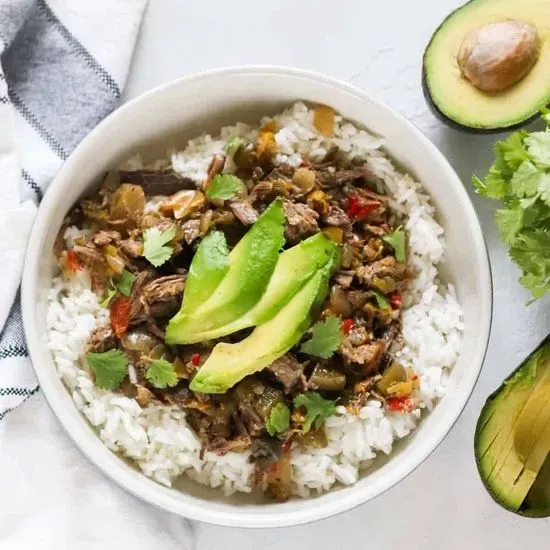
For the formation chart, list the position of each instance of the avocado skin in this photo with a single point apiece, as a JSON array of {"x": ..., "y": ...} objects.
[
  {"x": 444, "y": 118},
  {"x": 524, "y": 513}
]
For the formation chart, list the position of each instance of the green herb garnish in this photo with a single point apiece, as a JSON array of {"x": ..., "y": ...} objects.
[
  {"x": 125, "y": 283},
  {"x": 110, "y": 368},
  {"x": 161, "y": 374},
  {"x": 520, "y": 178},
  {"x": 381, "y": 299},
  {"x": 233, "y": 143},
  {"x": 110, "y": 293},
  {"x": 318, "y": 409},
  {"x": 155, "y": 247},
  {"x": 397, "y": 241},
  {"x": 325, "y": 339},
  {"x": 224, "y": 187},
  {"x": 278, "y": 420}
]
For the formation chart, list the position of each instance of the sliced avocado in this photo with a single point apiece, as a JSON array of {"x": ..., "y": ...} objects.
[
  {"x": 230, "y": 363},
  {"x": 294, "y": 268},
  {"x": 512, "y": 438},
  {"x": 208, "y": 268},
  {"x": 251, "y": 264},
  {"x": 453, "y": 64}
]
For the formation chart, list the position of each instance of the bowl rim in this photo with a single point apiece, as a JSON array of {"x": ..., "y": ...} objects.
[{"x": 241, "y": 518}]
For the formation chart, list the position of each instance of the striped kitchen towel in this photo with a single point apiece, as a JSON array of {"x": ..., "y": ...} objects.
[{"x": 62, "y": 67}]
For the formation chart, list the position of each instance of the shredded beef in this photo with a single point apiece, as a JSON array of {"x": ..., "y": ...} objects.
[
  {"x": 287, "y": 370},
  {"x": 191, "y": 230},
  {"x": 162, "y": 297},
  {"x": 101, "y": 339},
  {"x": 103, "y": 238},
  {"x": 301, "y": 221},
  {"x": 157, "y": 182},
  {"x": 244, "y": 212},
  {"x": 337, "y": 218}
]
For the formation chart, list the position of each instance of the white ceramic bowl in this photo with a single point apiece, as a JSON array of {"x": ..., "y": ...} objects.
[{"x": 205, "y": 102}]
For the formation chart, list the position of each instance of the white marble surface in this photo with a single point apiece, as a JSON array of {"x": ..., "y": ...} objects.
[{"x": 378, "y": 46}]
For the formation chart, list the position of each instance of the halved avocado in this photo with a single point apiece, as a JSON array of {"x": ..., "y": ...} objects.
[
  {"x": 512, "y": 441},
  {"x": 456, "y": 99}
]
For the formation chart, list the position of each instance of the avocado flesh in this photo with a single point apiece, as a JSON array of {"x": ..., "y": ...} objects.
[
  {"x": 230, "y": 363},
  {"x": 251, "y": 264},
  {"x": 208, "y": 268},
  {"x": 537, "y": 501},
  {"x": 458, "y": 99},
  {"x": 294, "y": 268},
  {"x": 513, "y": 434}
]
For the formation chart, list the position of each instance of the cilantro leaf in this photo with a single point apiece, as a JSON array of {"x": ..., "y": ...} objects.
[
  {"x": 531, "y": 251},
  {"x": 318, "y": 409},
  {"x": 224, "y": 186},
  {"x": 513, "y": 149},
  {"x": 161, "y": 374},
  {"x": 397, "y": 241},
  {"x": 544, "y": 188},
  {"x": 525, "y": 182},
  {"x": 381, "y": 299},
  {"x": 538, "y": 147},
  {"x": 509, "y": 222},
  {"x": 520, "y": 178},
  {"x": 326, "y": 338},
  {"x": 494, "y": 186},
  {"x": 279, "y": 419},
  {"x": 155, "y": 247},
  {"x": 537, "y": 285},
  {"x": 233, "y": 143},
  {"x": 108, "y": 297},
  {"x": 125, "y": 283},
  {"x": 110, "y": 368}
]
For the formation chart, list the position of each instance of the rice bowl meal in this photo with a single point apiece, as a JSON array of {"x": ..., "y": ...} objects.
[{"x": 262, "y": 310}]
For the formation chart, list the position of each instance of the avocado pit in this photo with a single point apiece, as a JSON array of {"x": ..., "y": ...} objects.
[{"x": 497, "y": 56}]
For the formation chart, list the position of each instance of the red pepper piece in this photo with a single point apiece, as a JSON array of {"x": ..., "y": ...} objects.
[
  {"x": 396, "y": 300},
  {"x": 366, "y": 210},
  {"x": 196, "y": 359},
  {"x": 357, "y": 209},
  {"x": 120, "y": 310},
  {"x": 72, "y": 261},
  {"x": 400, "y": 404},
  {"x": 347, "y": 325},
  {"x": 353, "y": 206}
]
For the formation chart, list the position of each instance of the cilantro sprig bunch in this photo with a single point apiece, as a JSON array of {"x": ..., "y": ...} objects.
[{"x": 520, "y": 178}]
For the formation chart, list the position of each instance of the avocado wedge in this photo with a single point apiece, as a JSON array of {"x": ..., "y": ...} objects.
[
  {"x": 294, "y": 268},
  {"x": 230, "y": 363},
  {"x": 251, "y": 264},
  {"x": 512, "y": 441},
  {"x": 487, "y": 67},
  {"x": 209, "y": 266}
]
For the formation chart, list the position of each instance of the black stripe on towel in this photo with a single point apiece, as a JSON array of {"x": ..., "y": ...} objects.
[
  {"x": 19, "y": 392},
  {"x": 30, "y": 392},
  {"x": 32, "y": 184},
  {"x": 9, "y": 352}
]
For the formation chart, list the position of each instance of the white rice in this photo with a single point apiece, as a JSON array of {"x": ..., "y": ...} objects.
[{"x": 158, "y": 438}]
